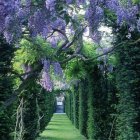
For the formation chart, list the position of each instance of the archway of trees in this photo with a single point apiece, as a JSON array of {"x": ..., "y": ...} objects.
[{"x": 86, "y": 50}]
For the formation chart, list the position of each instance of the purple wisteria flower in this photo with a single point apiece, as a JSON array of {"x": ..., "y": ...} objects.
[
  {"x": 37, "y": 23},
  {"x": 138, "y": 25},
  {"x": 50, "y": 5},
  {"x": 126, "y": 13},
  {"x": 57, "y": 69},
  {"x": 46, "y": 64},
  {"x": 46, "y": 82},
  {"x": 69, "y": 1}
]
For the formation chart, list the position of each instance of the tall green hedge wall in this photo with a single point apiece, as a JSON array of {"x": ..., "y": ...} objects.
[
  {"x": 6, "y": 88},
  {"x": 38, "y": 104},
  {"x": 109, "y": 102},
  {"x": 39, "y": 108},
  {"x": 128, "y": 73}
]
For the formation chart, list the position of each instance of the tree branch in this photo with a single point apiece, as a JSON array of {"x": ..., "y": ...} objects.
[
  {"x": 90, "y": 59},
  {"x": 67, "y": 44}
]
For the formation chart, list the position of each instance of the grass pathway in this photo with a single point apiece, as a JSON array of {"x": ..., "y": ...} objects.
[{"x": 60, "y": 128}]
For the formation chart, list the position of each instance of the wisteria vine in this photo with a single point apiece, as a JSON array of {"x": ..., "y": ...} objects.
[{"x": 47, "y": 17}]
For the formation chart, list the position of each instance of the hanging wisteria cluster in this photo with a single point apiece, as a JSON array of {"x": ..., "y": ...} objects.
[
  {"x": 57, "y": 69},
  {"x": 94, "y": 16},
  {"x": 125, "y": 12},
  {"x": 42, "y": 17},
  {"x": 46, "y": 81}
]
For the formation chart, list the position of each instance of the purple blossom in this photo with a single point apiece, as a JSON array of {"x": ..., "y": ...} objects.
[
  {"x": 94, "y": 16},
  {"x": 138, "y": 25},
  {"x": 28, "y": 3},
  {"x": 69, "y": 1},
  {"x": 105, "y": 50},
  {"x": 53, "y": 41},
  {"x": 9, "y": 22},
  {"x": 45, "y": 32},
  {"x": 2, "y": 18},
  {"x": 17, "y": 4},
  {"x": 126, "y": 13},
  {"x": 96, "y": 36},
  {"x": 50, "y": 5},
  {"x": 57, "y": 69},
  {"x": 131, "y": 28},
  {"x": 46, "y": 82},
  {"x": 46, "y": 66},
  {"x": 110, "y": 68},
  {"x": 37, "y": 23},
  {"x": 13, "y": 13},
  {"x": 128, "y": 35},
  {"x": 9, "y": 36},
  {"x": 112, "y": 4},
  {"x": 59, "y": 24},
  {"x": 1, "y": 24},
  {"x": 22, "y": 14},
  {"x": 81, "y": 1},
  {"x": 101, "y": 67}
]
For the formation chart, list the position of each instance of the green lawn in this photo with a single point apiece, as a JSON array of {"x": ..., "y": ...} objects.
[{"x": 60, "y": 128}]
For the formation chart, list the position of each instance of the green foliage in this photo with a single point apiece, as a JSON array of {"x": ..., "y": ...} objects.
[
  {"x": 46, "y": 103},
  {"x": 39, "y": 104},
  {"x": 75, "y": 92},
  {"x": 83, "y": 114},
  {"x": 71, "y": 107},
  {"x": 98, "y": 109},
  {"x": 89, "y": 50},
  {"x": 38, "y": 110},
  {"x": 68, "y": 104},
  {"x": 75, "y": 70},
  {"x": 127, "y": 124},
  {"x": 136, "y": 1},
  {"x": 30, "y": 116},
  {"x": 110, "y": 18},
  {"x": 32, "y": 51},
  {"x": 91, "y": 130},
  {"x": 6, "y": 89}
]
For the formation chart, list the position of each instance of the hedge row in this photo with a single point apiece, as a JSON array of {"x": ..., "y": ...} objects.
[
  {"x": 38, "y": 110},
  {"x": 127, "y": 80},
  {"x": 91, "y": 110},
  {"x": 38, "y": 104},
  {"x": 106, "y": 105},
  {"x": 6, "y": 88}
]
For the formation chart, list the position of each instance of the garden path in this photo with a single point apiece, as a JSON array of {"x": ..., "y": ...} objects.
[{"x": 60, "y": 128}]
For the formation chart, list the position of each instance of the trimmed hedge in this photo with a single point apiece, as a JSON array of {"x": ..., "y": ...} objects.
[
  {"x": 83, "y": 114},
  {"x": 76, "y": 105},
  {"x": 46, "y": 103},
  {"x": 97, "y": 95},
  {"x": 6, "y": 88},
  {"x": 109, "y": 102},
  {"x": 128, "y": 72},
  {"x": 98, "y": 106}
]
